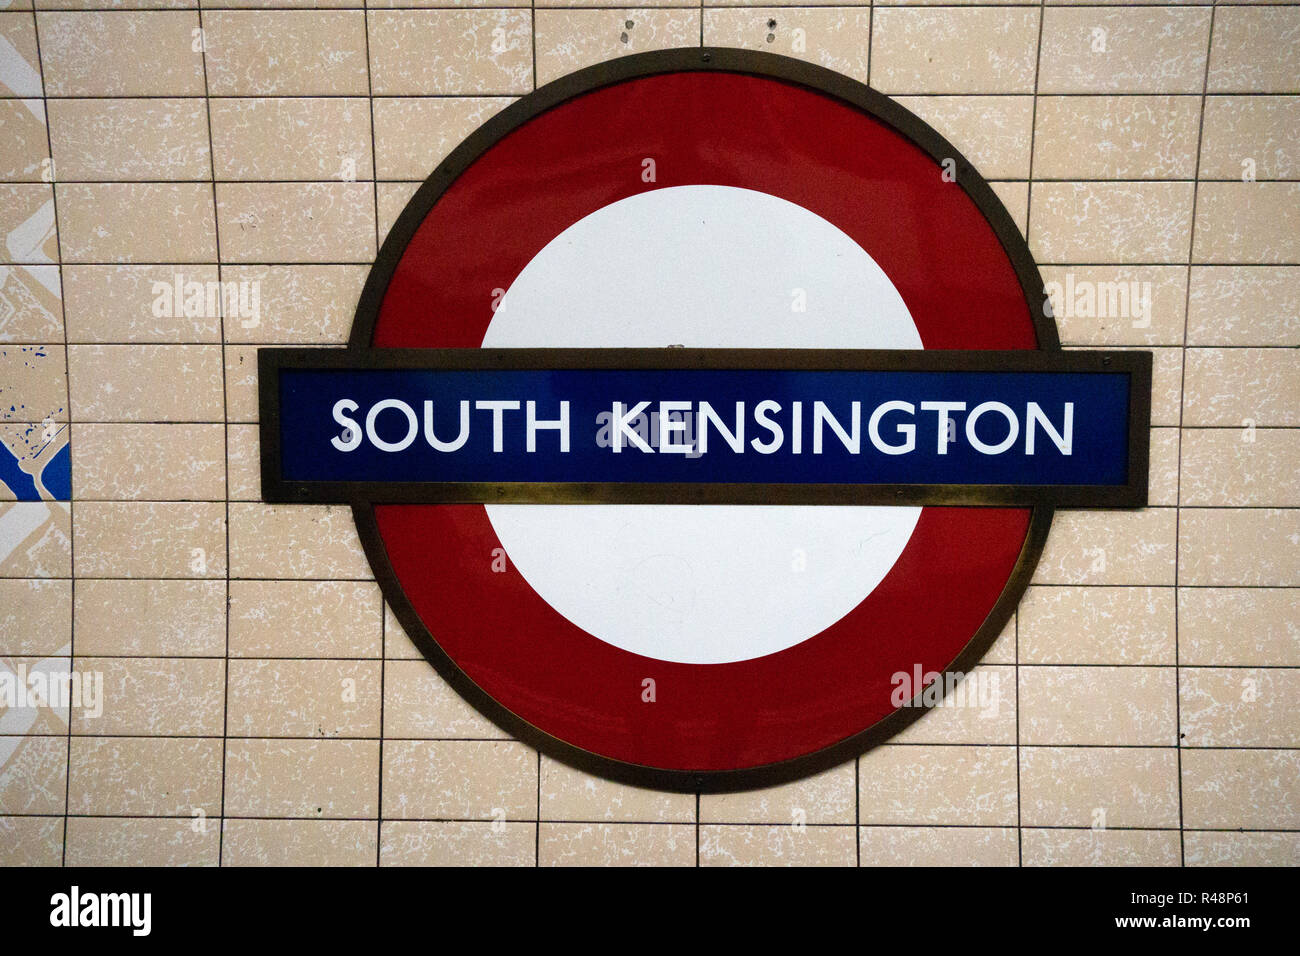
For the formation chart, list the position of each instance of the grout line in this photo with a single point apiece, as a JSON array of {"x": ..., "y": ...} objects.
[
  {"x": 1029, "y": 212},
  {"x": 225, "y": 415},
  {"x": 383, "y": 637},
  {"x": 67, "y": 393},
  {"x": 1182, "y": 404}
]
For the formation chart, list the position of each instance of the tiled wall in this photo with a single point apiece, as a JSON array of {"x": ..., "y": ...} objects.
[{"x": 261, "y": 706}]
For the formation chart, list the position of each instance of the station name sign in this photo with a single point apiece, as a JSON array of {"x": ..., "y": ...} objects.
[{"x": 706, "y": 426}]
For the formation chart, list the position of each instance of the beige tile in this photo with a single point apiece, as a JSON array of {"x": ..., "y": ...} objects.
[
  {"x": 993, "y": 132},
  {"x": 33, "y": 384},
  {"x": 777, "y": 846},
  {"x": 1232, "y": 789},
  {"x": 241, "y": 384},
  {"x": 271, "y": 619},
  {"x": 136, "y": 222},
  {"x": 1099, "y": 786},
  {"x": 1111, "y": 222},
  {"x": 1242, "y": 387},
  {"x": 1239, "y": 707},
  {"x": 296, "y": 222},
  {"x": 1253, "y": 546},
  {"x": 1247, "y": 222},
  {"x": 459, "y": 780},
  {"x": 990, "y": 50},
  {"x": 938, "y": 785},
  {"x": 392, "y": 199},
  {"x": 1003, "y": 650},
  {"x": 1102, "y": 848},
  {"x": 116, "y": 139},
  {"x": 295, "y": 541},
  {"x": 1118, "y": 305},
  {"x": 837, "y": 38},
  {"x": 151, "y": 618},
  {"x": 939, "y": 846},
  {"x": 328, "y": 843},
  {"x": 109, "y": 4},
  {"x": 27, "y": 223},
  {"x": 145, "y": 776},
  {"x": 981, "y": 709},
  {"x": 310, "y": 779},
  {"x": 243, "y": 463},
  {"x": 297, "y": 304},
  {"x": 121, "y": 53},
  {"x": 31, "y": 841},
  {"x": 155, "y": 462},
  {"x": 35, "y": 617},
  {"x": 413, "y": 135},
  {"x": 282, "y": 698},
  {"x": 1116, "y": 706},
  {"x": 286, "y": 53},
  {"x": 32, "y": 309},
  {"x": 1091, "y": 625},
  {"x": 418, "y": 703},
  {"x": 615, "y": 844},
  {"x": 1166, "y": 386},
  {"x": 139, "y": 303},
  {"x": 827, "y": 797},
  {"x": 150, "y": 539},
  {"x": 22, "y": 76},
  {"x": 35, "y": 539},
  {"x": 1116, "y": 137},
  {"x": 279, "y": 138},
  {"x": 33, "y": 774},
  {"x": 153, "y": 696},
  {"x": 98, "y": 841},
  {"x": 1244, "y": 305},
  {"x": 1015, "y": 197},
  {"x": 420, "y": 843},
  {"x": 24, "y": 145},
  {"x": 1242, "y": 849},
  {"x": 397, "y": 645},
  {"x": 486, "y": 3},
  {"x": 572, "y": 795},
  {"x": 1110, "y": 547},
  {"x": 1241, "y": 467},
  {"x": 567, "y": 40},
  {"x": 253, "y": 4},
  {"x": 418, "y": 52},
  {"x": 1239, "y": 626},
  {"x": 1255, "y": 50},
  {"x": 1163, "y": 470},
  {"x": 1118, "y": 50},
  {"x": 1250, "y": 137},
  {"x": 149, "y": 383}
]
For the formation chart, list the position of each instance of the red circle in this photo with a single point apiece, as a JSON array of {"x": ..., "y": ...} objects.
[{"x": 727, "y": 129}]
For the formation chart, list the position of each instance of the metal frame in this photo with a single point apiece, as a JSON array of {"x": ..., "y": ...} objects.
[
  {"x": 782, "y": 69},
  {"x": 1133, "y": 494}
]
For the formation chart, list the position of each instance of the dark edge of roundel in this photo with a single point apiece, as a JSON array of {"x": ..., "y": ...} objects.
[{"x": 771, "y": 66}]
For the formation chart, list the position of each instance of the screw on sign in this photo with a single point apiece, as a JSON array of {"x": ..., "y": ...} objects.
[{"x": 740, "y": 443}]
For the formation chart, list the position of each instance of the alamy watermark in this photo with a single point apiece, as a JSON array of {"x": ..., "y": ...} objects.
[
  {"x": 981, "y": 689},
  {"x": 239, "y": 299}
]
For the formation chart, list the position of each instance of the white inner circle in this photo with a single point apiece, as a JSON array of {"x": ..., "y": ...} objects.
[{"x": 702, "y": 266}]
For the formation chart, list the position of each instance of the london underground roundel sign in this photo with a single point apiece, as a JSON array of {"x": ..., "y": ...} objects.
[{"x": 701, "y": 409}]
